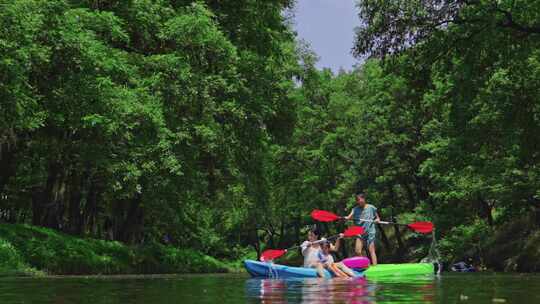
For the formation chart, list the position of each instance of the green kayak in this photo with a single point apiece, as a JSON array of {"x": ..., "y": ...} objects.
[{"x": 395, "y": 270}]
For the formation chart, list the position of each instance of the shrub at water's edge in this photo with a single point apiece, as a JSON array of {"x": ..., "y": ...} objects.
[
  {"x": 12, "y": 263},
  {"x": 23, "y": 247},
  {"x": 512, "y": 248}
]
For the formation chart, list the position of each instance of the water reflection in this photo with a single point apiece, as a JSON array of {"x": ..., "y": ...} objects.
[
  {"x": 323, "y": 291},
  {"x": 233, "y": 289}
]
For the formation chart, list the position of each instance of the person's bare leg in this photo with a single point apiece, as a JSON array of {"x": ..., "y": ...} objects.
[
  {"x": 373, "y": 254},
  {"x": 338, "y": 271},
  {"x": 345, "y": 269},
  {"x": 329, "y": 268},
  {"x": 358, "y": 247}
]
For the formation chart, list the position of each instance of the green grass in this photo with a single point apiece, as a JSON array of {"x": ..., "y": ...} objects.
[{"x": 26, "y": 249}]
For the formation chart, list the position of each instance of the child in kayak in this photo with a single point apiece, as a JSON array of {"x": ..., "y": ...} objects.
[
  {"x": 365, "y": 215},
  {"x": 327, "y": 260}
]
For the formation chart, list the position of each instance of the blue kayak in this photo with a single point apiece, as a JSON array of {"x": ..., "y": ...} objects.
[{"x": 270, "y": 270}]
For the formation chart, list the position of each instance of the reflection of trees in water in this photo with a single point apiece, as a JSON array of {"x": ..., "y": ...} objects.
[
  {"x": 402, "y": 290},
  {"x": 337, "y": 291},
  {"x": 319, "y": 291},
  {"x": 308, "y": 291},
  {"x": 267, "y": 290}
]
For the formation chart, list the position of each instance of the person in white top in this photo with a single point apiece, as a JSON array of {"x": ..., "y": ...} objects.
[{"x": 312, "y": 250}]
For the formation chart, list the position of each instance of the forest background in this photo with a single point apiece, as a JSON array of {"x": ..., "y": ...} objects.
[{"x": 181, "y": 136}]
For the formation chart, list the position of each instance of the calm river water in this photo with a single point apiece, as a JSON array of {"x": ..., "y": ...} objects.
[{"x": 222, "y": 289}]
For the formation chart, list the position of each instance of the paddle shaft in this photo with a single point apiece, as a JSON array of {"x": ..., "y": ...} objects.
[
  {"x": 315, "y": 242},
  {"x": 417, "y": 226},
  {"x": 379, "y": 222},
  {"x": 382, "y": 222},
  {"x": 397, "y": 224}
]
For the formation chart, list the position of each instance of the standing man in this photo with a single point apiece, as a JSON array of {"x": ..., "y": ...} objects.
[{"x": 365, "y": 215}]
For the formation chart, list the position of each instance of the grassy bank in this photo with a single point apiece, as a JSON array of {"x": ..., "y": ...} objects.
[{"x": 33, "y": 250}]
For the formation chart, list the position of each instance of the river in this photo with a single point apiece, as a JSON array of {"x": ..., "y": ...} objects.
[{"x": 222, "y": 289}]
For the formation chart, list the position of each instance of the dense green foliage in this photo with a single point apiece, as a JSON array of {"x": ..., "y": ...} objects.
[
  {"x": 58, "y": 253},
  {"x": 440, "y": 122},
  {"x": 204, "y": 125},
  {"x": 140, "y": 121},
  {"x": 12, "y": 263},
  {"x": 471, "y": 69}
]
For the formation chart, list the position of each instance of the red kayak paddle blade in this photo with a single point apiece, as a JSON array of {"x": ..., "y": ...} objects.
[
  {"x": 324, "y": 216},
  {"x": 422, "y": 227},
  {"x": 353, "y": 231},
  {"x": 272, "y": 254}
]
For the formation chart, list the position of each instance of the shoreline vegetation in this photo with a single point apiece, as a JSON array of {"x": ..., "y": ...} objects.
[
  {"x": 35, "y": 251},
  {"x": 27, "y": 250}
]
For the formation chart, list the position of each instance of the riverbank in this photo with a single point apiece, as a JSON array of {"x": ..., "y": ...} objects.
[
  {"x": 513, "y": 247},
  {"x": 36, "y": 251},
  {"x": 30, "y": 250}
]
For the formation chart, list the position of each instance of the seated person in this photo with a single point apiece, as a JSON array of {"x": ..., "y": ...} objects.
[
  {"x": 310, "y": 251},
  {"x": 327, "y": 261}
]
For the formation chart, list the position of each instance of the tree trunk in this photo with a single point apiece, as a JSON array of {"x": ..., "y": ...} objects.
[
  {"x": 37, "y": 206},
  {"x": 54, "y": 197},
  {"x": 76, "y": 219},
  {"x": 41, "y": 201},
  {"x": 91, "y": 208},
  {"x": 401, "y": 247},
  {"x": 257, "y": 243},
  {"x": 485, "y": 211},
  {"x": 132, "y": 222},
  {"x": 7, "y": 165},
  {"x": 536, "y": 209},
  {"x": 385, "y": 240},
  {"x": 281, "y": 237}
]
